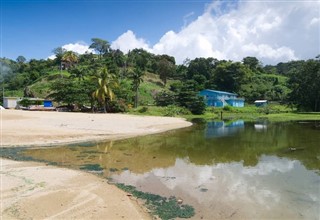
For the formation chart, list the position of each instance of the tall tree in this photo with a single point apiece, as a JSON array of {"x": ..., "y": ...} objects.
[
  {"x": 59, "y": 52},
  {"x": 252, "y": 62},
  {"x": 70, "y": 92},
  {"x": 230, "y": 76},
  {"x": 187, "y": 97},
  {"x": 21, "y": 59},
  {"x": 106, "y": 83},
  {"x": 99, "y": 45},
  {"x": 140, "y": 58},
  {"x": 137, "y": 77},
  {"x": 305, "y": 85},
  {"x": 165, "y": 67},
  {"x": 21, "y": 63},
  {"x": 201, "y": 70}
]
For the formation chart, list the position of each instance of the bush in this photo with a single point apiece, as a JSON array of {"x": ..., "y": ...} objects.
[
  {"x": 117, "y": 106},
  {"x": 25, "y": 102},
  {"x": 197, "y": 107},
  {"x": 165, "y": 98},
  {"x": 143, "y": 109},
  {"x": 270, "y": 109},
  {"x": 227, "y": 108},
  {"x": 28, "y": 102},
  {"x": 173, "y": 110}
]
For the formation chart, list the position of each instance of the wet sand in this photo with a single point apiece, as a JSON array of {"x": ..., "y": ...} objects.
[{"x": 34, "y": 190}]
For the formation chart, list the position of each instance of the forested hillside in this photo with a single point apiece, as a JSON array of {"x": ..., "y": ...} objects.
[{"x": 112, "y": 81}]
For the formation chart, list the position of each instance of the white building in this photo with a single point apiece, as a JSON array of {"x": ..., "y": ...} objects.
[{"x": 11, "y": 102}]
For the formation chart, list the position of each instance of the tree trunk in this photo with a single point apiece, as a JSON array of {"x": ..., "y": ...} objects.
[
  {"x": 136, "y": 99},
  {"x": 92, "y": 105},
  {"x": 104, "y": 108}
]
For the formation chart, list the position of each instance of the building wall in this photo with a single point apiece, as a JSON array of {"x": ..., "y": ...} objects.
[
  {"x": 220, "y": 98},
  {"x": 47, "y": 103},
  {"x": 10, "y": 102},
  {"x": 236, "y": 102}
]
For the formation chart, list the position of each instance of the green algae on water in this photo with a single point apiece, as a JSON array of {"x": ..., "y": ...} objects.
[{"x": 91, "y": 167}]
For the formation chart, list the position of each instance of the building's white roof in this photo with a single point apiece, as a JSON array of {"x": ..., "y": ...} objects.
[
  {"x": 260, "y": 101},
  {"x": 220, "y": 92}
]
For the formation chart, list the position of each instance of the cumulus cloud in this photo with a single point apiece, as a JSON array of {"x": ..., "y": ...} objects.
[
  {"x": 51, "y": 57},
  {"x": 258, "y": 186},
  {"x": 128, "y": 41},
  {"x": 79, "y": 48},
  {"x": 270, "y": 30}
]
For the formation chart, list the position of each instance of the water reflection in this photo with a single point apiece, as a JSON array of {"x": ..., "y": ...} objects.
[
  {"x": 274, "y": 187},
  {"x": 221, "y": 128},
  {"x": 260, "y": 125},
  {"x": 225, "y": 169}
]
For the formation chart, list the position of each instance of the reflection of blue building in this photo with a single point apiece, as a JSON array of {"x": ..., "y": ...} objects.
[
  {"x": 220, "y": 99},
  {"x": 221, "y": 128}
]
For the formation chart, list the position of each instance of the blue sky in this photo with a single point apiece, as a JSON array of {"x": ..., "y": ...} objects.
[
  {"x": 34, "y": 28},
  {"x": 273, "y": 31}
]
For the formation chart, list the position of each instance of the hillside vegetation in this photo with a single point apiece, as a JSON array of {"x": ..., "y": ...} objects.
[{"x": 112, "y": 81}]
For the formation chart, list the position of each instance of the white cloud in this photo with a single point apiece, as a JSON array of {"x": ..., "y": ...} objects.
[
  {"x": 315, "y": 21},
  {"x": 261, "y": 187},
  {"x": 128, "y": 41},
  {"x": 79, "y": 47},
  {"x": 264, "y": 50},
  {"x": 270, "y": 30},
  {"x": 51, "y": 57}
]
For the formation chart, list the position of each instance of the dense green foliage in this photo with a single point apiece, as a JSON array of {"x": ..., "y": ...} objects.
[
  {"x": 143, "y": 78},
  {"x": 305, "y": 85}
]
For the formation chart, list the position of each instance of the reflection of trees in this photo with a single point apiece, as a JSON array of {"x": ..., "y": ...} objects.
[
  {"x": 143, "y": 154},
  {"x": 247, "y": 145}
]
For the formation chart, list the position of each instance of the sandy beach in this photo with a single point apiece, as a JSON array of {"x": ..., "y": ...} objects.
[{"x": 35, "y": 191}]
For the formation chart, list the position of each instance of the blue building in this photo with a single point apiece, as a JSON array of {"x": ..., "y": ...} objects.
[
  {"x": 47, "y": 103},
  {"x": 220, "y": 99}
]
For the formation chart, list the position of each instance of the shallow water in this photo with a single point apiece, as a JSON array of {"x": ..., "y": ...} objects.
[{"x": 229, "y": 169}]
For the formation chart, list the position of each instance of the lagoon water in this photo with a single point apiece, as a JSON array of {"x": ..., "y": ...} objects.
[{"x": 234, "y": 169}]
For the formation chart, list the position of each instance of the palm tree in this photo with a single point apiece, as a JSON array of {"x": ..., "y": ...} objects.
[
  {"x": 137, "y": 77},
  {"x": 79, "y": 72},
  {"x": 69, "y": 58},
  {"x": 106, "y": 83}
]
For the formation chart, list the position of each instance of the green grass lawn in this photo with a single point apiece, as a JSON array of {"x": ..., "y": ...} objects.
[{"x": 248, "y": 113}]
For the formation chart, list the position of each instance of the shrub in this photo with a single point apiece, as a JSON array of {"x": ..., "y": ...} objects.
[
  {"x": 143, "y": 109},
  {"x": 197, "y": 107},
  {"x": 117, "y": 106},
  {"x": 25, "y": 102},
  {"x": 173, "y": 110},
  {"x": 165, "y": 98},
  {"x": 227, "y": 108}
]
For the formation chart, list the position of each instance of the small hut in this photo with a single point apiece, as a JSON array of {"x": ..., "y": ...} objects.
[{"x": 261, "y": 103}]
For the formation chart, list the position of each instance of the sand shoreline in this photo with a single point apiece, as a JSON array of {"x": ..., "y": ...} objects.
[
  {"x": 26, "y": 128},
  {"x": 61, "y": 193}
]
